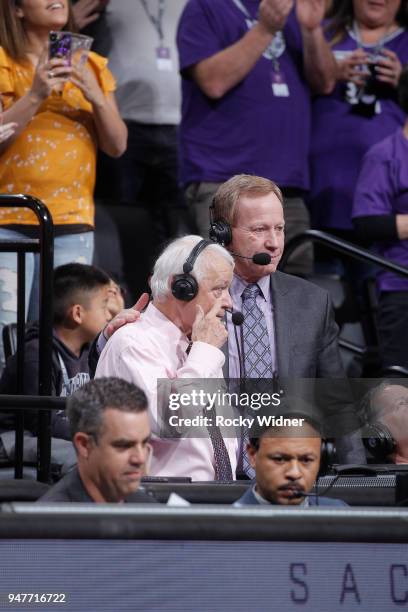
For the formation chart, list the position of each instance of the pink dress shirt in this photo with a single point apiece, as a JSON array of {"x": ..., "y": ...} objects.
[{"x": 153, "y": 348}]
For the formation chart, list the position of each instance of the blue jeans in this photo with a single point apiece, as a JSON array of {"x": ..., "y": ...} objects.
[{"x": 69, "y": 248}]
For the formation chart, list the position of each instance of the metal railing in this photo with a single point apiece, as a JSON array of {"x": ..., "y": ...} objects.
[
  {"x": 45, "y": 247},
  {"x": 347, "y": 249}
]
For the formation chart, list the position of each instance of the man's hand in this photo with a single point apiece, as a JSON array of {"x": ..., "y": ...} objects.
[
  {"x": 209, "y": 328},
  {"x": 273, "y": 14},
  {"x": 310, "y": 13},
  {"x": 87, "y": 11},
  {"x": 129, "y": 315}
]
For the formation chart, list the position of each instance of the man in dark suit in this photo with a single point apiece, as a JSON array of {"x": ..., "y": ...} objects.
[
  {"x": 110, "y": 431},
  {"x": 286, "y": 460},
  {"x": 299, "y": 337}
]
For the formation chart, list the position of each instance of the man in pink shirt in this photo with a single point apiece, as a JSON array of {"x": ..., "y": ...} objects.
[{"x": 179, "y": 337}]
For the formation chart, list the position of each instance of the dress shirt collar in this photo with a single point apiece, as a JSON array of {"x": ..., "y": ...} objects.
[{"x": 238, "y": 285}]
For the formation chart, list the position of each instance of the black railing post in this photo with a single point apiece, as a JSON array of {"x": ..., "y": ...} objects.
[{"x": 45, "y": 247}]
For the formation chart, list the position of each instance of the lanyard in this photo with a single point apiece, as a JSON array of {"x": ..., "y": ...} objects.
[
  {"x": 272, "y": 50},
  {"x": 156, "y": 21},
  {"x": 244, "y": 10},
  {"x": 376, "y": 47}
]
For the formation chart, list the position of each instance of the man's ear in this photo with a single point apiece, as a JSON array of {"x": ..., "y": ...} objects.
[{"x": 82, "y": 442}]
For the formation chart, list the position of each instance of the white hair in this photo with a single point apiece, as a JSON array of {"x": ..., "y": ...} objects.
[{"x": 174, "y": 256}]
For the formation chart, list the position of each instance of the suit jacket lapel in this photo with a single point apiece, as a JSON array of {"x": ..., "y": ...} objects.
[{"x": 282, "y": 325}]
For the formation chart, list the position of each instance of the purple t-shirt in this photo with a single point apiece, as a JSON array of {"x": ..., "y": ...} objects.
[
  {"x": 250, "y": 130},
  {"x": 340, "y": 139},
  {"x": 382, "y": 189}
]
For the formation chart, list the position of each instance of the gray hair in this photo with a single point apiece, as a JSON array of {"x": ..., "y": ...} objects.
[
  {"x": 175, "y": 255},
  {"x": 86, "y": 407}
]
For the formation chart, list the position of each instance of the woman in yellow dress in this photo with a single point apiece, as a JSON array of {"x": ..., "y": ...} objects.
[{"x": 63, "y": 114}]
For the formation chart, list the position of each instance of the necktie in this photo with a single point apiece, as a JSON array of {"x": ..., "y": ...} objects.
[
  {"x": 257, "y": 354},
  {"x": 223, "y": 470},
  {"x": 257, "y": 349}
]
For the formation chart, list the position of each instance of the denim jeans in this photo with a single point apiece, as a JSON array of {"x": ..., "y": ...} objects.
[{"x": 69, "y": 248}]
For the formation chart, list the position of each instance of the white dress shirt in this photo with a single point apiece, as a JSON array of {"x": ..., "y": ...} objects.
[{"x": 150, "y": 350}]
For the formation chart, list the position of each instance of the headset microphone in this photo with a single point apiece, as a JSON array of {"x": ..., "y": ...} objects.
[
  {"x": 261, "y": 259},
  {"x": 236, "y": 316}
]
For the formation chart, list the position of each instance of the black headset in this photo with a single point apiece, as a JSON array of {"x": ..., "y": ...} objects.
[
  {"x": 184, "y": 286},
  {"x": 220, "y": 230},
  {"x": 377, "y": 438},
  {"x": 378, "y": 441}
]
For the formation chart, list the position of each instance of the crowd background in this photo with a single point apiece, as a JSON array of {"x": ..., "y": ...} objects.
[{"x": 177, "y": 96}]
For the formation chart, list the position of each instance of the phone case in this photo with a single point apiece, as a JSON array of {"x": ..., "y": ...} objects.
[{"x": 60, "y": 45}]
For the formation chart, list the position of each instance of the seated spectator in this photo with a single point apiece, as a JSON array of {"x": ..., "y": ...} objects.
[
  {"x": 81, "y": 295},
  {"x": 384, "y": 412},
  {"x": 110, "y": 431},
  {"x": 286, "y": 461},
  {"x": 80, "y": 313},
  {"x": 380, "y": 213}
]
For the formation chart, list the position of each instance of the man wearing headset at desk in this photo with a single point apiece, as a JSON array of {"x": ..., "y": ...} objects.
[
  {"x": 289, "y": 329},
  {"x": 176, "y": 342},
  {"x": 286, "y": 460}
]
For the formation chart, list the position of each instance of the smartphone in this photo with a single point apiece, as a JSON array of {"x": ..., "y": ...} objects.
[{"x": 60, "y": 46}]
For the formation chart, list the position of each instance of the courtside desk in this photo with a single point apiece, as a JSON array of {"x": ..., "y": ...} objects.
[{"x": 204, "y": 558}]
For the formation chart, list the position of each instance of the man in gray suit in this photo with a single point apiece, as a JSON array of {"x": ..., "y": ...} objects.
[
  {"x": 300, "y": 334},
  {"x": 286, "y": 460}
]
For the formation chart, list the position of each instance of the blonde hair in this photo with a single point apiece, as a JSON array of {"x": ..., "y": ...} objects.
[{"x": 227, "y": 195}]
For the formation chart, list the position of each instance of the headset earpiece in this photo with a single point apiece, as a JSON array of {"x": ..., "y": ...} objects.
[
  {"x": 184, "y": 286},
  {"x": 327, "y": 456},
  {"x": 220, "y": 230},
  {"x": 378, "y": 441}
]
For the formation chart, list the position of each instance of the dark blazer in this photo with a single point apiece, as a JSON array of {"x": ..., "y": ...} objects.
[
  {"x": 71, "y": 489},
  {"x": 305, "y": 330},
  {"x": 249, "y": 499}
]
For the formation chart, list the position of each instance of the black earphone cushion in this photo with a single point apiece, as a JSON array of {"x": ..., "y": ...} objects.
[
  {"x": 184, "y": 287},
  {"x": 220, "y": 231},
  {"x": 327, "y": 456},
  {"x": 377, "y": 439}
]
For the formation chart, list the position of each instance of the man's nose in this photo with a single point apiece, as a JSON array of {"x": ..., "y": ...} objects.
[
  {"x": 272, "y": 240},
  {"x": 138, "y": 455},
  {"x": 293, "y": 471},
  {"x": 227, "y": 301}
]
